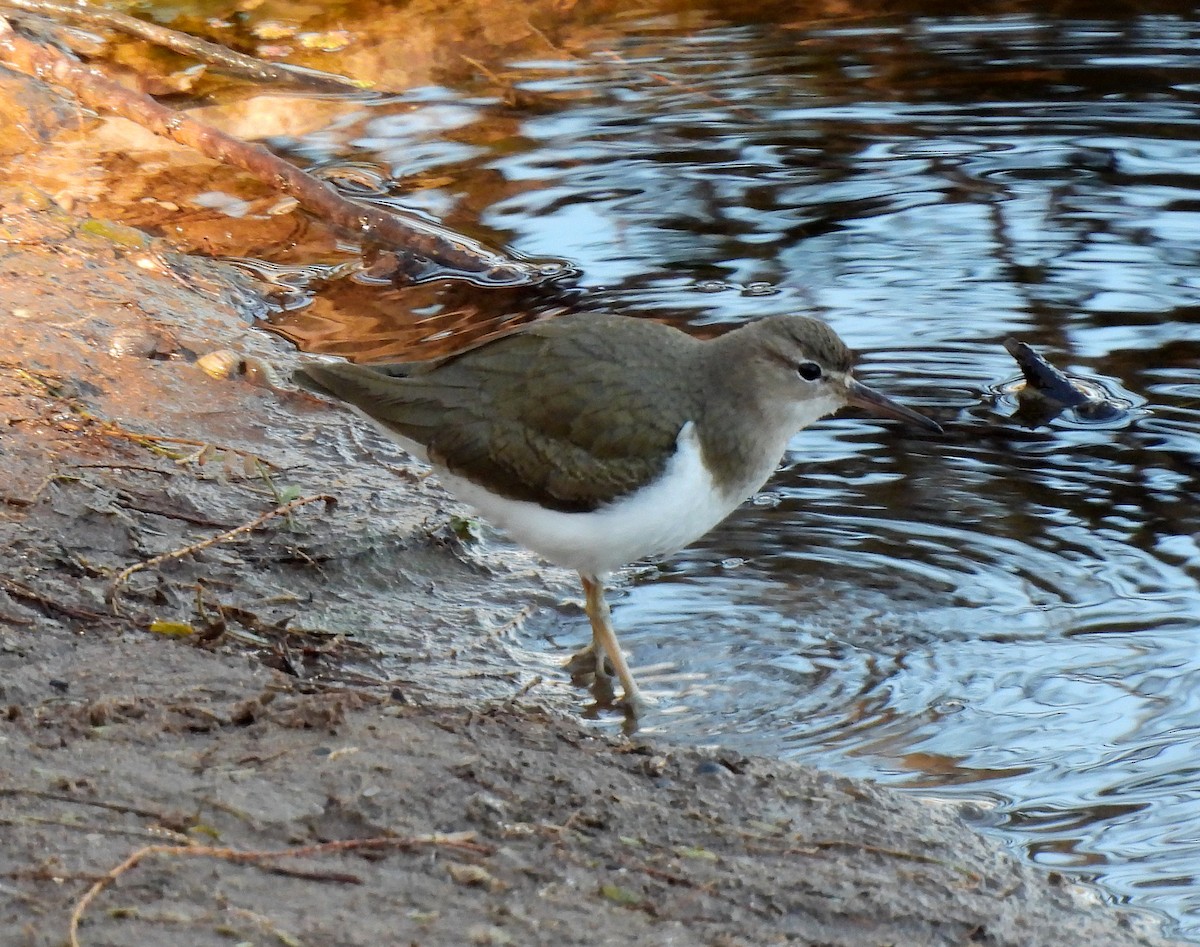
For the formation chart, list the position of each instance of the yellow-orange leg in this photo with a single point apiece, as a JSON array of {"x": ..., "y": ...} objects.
[{"x": 604, "y": 642}]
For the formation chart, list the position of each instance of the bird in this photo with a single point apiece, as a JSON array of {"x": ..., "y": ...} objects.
[{"x": 598, "y": 439}]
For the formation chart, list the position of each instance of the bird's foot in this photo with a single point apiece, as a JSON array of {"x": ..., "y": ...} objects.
[
  {"x": 633, "y": 707},
  {"x": 583, "y": 664},
  {"x": 637, "y": 705}
]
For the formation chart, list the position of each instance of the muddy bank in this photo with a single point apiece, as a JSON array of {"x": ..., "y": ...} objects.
[
  {"x": 223, "y": 702},
  {"x": 509, "y": 828}
]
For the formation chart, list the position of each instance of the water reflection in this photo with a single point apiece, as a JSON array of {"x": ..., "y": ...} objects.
[{"x": 1002, "y": 613}]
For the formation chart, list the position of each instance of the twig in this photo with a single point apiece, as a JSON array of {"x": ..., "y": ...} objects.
[
  {"x": 201, "y": 451},
  {"x": 513, "y": 623},
  {"x": 41, "y": 487},
  {"x": 458, "y": 841},
  {"x": 88, "y": 828},
  {"x": 141, "y": 467},
  {"x": 48, "y": 874},
  {"x": 239, "y": 64},
  {"x": 94, "y": 803},
  {"x": 338, "y": 877},
  {"x": 110, "y": 429},
  {"x": 21, "y": 591},
  {"x": 816, "y": 845},
  {"x": 283, "y": 510},
  {"x": 418, "y": 241},
  {"x": 512, "y": 699},
  {"x": 129, "y": 501},
  {"x": 18, "y": 894}
]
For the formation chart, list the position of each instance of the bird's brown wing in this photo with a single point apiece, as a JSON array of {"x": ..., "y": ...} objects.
[{"x": 571, "y": 420}]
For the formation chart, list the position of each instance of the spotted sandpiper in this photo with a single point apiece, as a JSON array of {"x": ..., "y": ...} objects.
[{"x": 596, "y": 440}]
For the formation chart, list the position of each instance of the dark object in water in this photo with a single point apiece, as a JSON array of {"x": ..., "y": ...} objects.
[{"x": 1048, "y": 392}]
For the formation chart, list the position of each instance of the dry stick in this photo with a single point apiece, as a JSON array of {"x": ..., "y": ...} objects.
[
  {"x": 75, "y": 800},
  {"x": 337, "y": 877},
  {"x": 417, "y": 240},
  {"x": 129, "y": 502},
  {"x": 110, "y": 429},
  {"x": 249, "y": 67},
  {"x": 283, "y": 510},
  {"x": 31, "y": 500},
  {"x": 141, "y": 467},
  {"x": 460, "y": 841},
  {"x": 23, "y": 592}
]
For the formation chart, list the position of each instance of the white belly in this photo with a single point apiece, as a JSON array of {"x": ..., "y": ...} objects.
[{"x": 678, "y": 508}]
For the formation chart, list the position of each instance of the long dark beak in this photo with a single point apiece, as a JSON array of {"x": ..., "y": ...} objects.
[{"x": 871, "y": 400}]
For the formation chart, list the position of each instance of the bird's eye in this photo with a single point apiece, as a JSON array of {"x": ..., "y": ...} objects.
[{"x": 809, "y": 371}]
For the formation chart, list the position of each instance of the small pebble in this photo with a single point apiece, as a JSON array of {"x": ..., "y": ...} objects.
[{"x": 222, "y": 363}]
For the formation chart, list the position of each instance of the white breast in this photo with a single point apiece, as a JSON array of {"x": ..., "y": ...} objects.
[{"x": 676, "y": 509}]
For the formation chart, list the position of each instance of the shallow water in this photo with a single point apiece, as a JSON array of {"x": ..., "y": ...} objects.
[{"x": 1002, "y": 614}]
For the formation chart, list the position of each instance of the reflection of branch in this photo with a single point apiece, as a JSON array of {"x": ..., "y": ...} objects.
[
  {"x": 213, "y": 54},
  {"x": 676, "y": 84},
  {"x": 418, "y": 241}
]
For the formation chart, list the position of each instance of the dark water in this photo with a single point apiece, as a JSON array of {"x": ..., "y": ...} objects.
[{"x": 1002, "y": 614}]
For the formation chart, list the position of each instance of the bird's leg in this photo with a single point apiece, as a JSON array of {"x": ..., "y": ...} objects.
[
  {"x": 591, "y": 658},
  {"x": 604, "y": 643}
]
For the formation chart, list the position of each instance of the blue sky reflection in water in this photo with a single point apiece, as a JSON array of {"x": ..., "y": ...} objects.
[{"x": 1005, "y": 614}]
